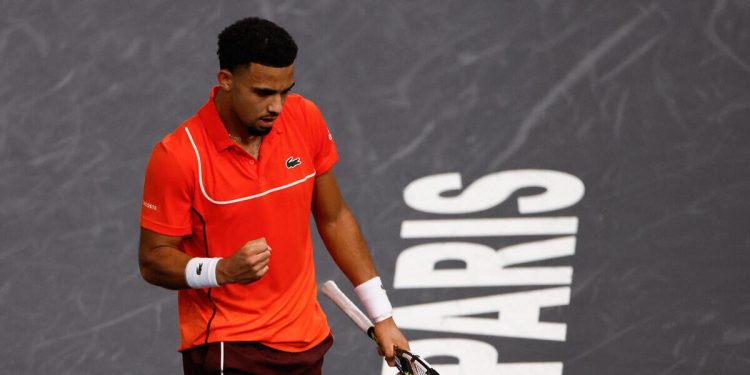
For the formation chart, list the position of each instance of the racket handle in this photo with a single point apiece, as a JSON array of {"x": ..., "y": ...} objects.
[{"x": 332, "y": 291}]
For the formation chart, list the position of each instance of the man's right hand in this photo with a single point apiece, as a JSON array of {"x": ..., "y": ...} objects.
[{"x": 247, "y": 265}]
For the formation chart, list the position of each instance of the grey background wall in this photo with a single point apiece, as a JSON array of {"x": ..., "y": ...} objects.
[{"x": 646, "y": 102}]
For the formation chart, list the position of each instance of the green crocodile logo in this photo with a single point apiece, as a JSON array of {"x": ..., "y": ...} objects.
[{"x": 292, "y": 162}]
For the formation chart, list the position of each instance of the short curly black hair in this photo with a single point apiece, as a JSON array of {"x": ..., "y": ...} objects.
[{"x": 255, "y": 40}]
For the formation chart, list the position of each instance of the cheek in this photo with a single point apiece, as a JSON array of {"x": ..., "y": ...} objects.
[{"x": 247, "y": 108}]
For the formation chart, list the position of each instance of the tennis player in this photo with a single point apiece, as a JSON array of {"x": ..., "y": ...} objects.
[{"x": 225, "y": 219}]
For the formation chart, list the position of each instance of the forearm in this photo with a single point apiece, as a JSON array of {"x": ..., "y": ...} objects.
[
  {"x": 161, "y": 261},
  {"x": 344, "y": 241},
  {"x": 165, "y": 267},
  {"x": 341, "y": 234},
  {"x": 348, "y": 249}
]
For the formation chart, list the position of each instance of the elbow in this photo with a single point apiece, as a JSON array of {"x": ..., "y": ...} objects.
[
  {"x": 146, "y": 272},
  {"x": 152, "y": 274}
]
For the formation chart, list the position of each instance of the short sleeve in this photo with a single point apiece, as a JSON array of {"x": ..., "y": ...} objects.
[
  {"x": 167, "y": 195},
  {"x": 323, "y": 146}
]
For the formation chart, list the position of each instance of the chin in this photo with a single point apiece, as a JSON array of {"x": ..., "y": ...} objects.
[{"x": 258, "y": 131}]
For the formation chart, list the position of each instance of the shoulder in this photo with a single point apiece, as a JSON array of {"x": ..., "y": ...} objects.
[
  {"x": 296, "y": 101},
  {"x": 299, "y": 107},
  {"x": 178, "y": 146},
  {"x": 190, "y": 133}
]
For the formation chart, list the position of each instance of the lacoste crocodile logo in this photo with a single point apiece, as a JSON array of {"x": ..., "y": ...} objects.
[
  {"x": 292, "y": 162},
  {"x": 200, "y": 267}
]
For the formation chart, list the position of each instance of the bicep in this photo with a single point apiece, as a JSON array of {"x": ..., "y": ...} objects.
[
  {"x": 151, "y": 240},
  {"x": 340, "y": 232},
  {"x": 327, "y": 205},
  {"x": 167, "y": 195}
]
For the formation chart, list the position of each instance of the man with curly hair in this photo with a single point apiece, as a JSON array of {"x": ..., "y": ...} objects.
[{"x": 225, "y": 219}]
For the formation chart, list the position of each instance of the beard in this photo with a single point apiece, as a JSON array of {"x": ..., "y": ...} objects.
[{"x": 258, "y": 131}]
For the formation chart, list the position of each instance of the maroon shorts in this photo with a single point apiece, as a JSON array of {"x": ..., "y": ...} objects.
[{"x": 246, "y": 358}]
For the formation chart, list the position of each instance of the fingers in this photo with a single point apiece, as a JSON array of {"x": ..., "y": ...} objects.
[
  {"x": 256, "y": 251},
  {"x": 389, "y": 337},
  {"x": 390, "y": 359},
  {"x": 257, "y": 256},
  {"x": 256, "y": 246},
  {"x": 258, "y": 259},
  {"x": 247, "y": 265}
]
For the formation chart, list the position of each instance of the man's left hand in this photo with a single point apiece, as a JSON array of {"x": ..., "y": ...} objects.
[{"x": 388, "y": 336}]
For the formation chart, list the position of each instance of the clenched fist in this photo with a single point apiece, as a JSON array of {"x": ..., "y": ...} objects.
[{"x": 247, "y": 265}]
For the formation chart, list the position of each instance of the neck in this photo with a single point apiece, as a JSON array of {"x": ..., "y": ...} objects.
[
  {"x": 246, "y": 140},
  {"x": 237, "y": 132},
  {"x": 229, "y": 119}
]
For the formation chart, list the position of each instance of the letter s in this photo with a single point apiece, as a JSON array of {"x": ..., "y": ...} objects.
[{"x": 562, "y": 190}]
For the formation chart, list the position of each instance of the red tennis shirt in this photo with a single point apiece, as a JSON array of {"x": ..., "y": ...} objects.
[{"x": 203, "y": 187}]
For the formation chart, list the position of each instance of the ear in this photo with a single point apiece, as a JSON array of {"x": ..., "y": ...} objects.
[{"x": 225, "y": 79}]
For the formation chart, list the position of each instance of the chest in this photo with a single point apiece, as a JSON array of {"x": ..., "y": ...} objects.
[{"x": 232, "y": 184}]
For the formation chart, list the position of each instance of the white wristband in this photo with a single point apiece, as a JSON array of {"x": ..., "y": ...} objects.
[
  {"x": 201, "y": 273},
  {"x": 373, "y": 296}
]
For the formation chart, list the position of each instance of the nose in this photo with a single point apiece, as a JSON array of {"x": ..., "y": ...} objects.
[{"x": 276, "y": 103}]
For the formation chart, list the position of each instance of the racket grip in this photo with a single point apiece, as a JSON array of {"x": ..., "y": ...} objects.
[{"x": 332, "y": 291}]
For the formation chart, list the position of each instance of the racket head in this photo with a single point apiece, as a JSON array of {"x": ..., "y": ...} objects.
[{"x": 412, "y": 364}]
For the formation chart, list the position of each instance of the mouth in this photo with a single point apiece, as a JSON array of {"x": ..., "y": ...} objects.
[{"x": 267, "y": 121}]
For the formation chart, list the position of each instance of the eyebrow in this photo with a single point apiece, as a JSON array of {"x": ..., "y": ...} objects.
[{"x": 267, "y": 91}]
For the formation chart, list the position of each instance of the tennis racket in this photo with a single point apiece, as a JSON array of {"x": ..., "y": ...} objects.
[{"x": 406, "y": 362}]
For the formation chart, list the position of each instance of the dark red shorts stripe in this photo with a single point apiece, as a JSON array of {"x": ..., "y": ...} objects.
[{"x": 246, "y": 358}]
